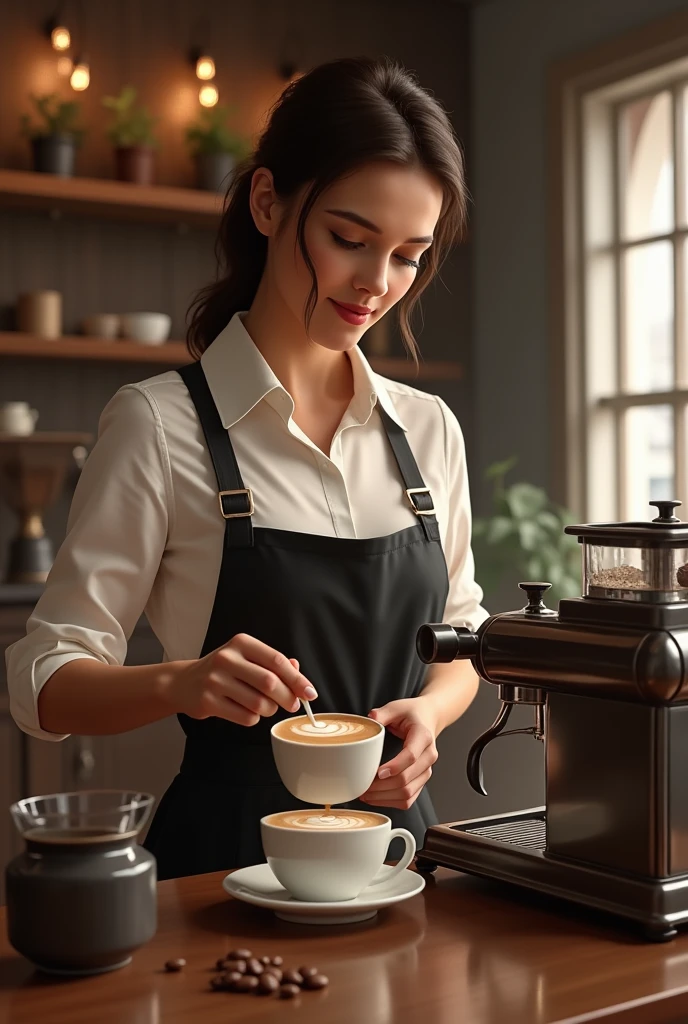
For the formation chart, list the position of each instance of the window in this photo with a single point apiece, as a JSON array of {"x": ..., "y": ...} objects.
[{"x": 623, "y": 263}]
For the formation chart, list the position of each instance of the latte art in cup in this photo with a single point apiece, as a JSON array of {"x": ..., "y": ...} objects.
[
  {"x": 329, "y": 729},
  {"x": 322, "y": 821}
]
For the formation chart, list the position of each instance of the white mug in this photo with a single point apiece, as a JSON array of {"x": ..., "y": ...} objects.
[
  {"x": 328, "y": 773},
  {"x": 321, "y": 866},
  {"x": 17, "y": 418}
]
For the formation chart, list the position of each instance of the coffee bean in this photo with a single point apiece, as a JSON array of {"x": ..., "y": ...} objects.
[
  {"x": 292, "y": 977},
  {"x": 265, "y": 960},
  {"x": 275, "y": 971},
  {"x": 316, "y": 981},
  {"x": 229, "y": 980},
  {"x": 245, "y": 983},
  {"x": 307, "y": 972},
  {"x": 289, "y": 991},
  {"x": 254, "y": 967},
  {"x": 175, "y": 965},
  {"x": 217, "y": 983},
  {"x": 277, "y": 961},
  {"x": 234, "y": 965},
  {"x": 267, "y": 984},
  {"x": 220, "y": 964},
  {"x": 239, "y": 954}
]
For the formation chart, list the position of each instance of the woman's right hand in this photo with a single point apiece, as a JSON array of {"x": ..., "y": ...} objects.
[{"x": 242, "y": 681}]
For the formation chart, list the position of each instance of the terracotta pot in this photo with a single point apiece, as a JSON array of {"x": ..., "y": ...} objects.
[{"x": 135, "y": 163}]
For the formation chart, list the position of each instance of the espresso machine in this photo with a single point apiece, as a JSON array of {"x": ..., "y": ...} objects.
[{"x": 607, "y": 678}]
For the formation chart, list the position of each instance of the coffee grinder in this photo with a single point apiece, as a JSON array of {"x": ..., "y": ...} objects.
[{"x": 607, "y": 679}]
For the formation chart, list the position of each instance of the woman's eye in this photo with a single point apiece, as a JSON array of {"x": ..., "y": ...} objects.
[
  {"x": 409, "y": 263},
  {"x": 344, "y": 243}
]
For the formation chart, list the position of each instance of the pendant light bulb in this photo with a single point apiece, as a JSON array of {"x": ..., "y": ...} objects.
[
  {"x": 208, "y": 96},
  {"x": 205, "y": 68},
  {"x": 64, "y": 66},
  {"x": 60, "y": 38},
  {"x": 81, "y": 76}
]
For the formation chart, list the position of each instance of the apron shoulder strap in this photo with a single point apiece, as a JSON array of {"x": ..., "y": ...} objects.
[
  {"x": 417, "y": 493},
  {"x": 235, "y": 500}
]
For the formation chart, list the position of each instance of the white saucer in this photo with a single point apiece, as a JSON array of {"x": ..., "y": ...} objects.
[{"x": 258, "y": 885}]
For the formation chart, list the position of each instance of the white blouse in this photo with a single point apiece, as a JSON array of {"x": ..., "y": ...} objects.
[{"x": 145, "y": 531}]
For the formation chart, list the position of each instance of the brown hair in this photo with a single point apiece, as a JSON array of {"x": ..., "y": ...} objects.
[{"x": 336, "y": 118}]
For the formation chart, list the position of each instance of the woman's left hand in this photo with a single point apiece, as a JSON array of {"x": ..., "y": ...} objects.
[{"x": 400, "y": 780}]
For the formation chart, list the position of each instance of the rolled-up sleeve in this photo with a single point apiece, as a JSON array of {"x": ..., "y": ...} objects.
[
  {"x": 465, "y": 595},
  {"x": 105, "y": 568}
]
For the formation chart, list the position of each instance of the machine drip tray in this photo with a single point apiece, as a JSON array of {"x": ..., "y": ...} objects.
[
  {"x": 512, "y": 848},
  {"x": 528, "y": 832}
]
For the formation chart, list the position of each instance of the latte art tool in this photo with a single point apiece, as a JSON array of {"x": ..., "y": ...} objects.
[{"x": 311, "y": 717}]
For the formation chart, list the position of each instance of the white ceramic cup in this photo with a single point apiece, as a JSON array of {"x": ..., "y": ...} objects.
[
  {"x": 17, "y": 418},
  {"x": 321, "y": 773},
  {"x": 146, "y": 328},
  {"x": 321, "y": 866}
]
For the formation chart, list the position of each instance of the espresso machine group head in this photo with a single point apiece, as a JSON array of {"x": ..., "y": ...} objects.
[{"x": 606, "y": 676}]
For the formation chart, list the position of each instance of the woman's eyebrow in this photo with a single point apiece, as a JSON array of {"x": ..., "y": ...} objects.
[{"x": 362, "y": 222}]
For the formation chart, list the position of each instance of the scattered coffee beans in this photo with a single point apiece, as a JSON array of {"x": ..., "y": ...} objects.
[
  {"x": 289, "y": 991},
  {"x": 234, "y": 965},
  {"x": 246, "y": 983},
  {"x": 175, "y": 965},
  {"x": 240, "y": 971},
  {"x": 316, "y": 981},
  {"x": 267, "y": 984},
  {"x": 240, "y": 954}
]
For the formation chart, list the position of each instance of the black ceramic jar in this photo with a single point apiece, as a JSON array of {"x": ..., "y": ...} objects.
[{"x": 82, "y": 896}]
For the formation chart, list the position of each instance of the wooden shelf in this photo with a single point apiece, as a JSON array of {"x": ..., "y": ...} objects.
[
  {"x": 102, "y": 197},
  {"x": 175, "y": 353}
]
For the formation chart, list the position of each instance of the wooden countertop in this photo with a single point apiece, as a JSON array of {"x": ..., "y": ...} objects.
[{"x": 465, "y": 951}]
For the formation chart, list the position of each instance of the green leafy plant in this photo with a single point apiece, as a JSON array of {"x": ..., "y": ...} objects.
[
  {"x": 212, "y": 134},
  {"x": 131, "y": 125},
  {"x": 525, "y": 534},
  {"x": 58, "y": 118}
]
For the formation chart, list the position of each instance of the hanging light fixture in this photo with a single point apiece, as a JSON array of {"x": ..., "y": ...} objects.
[
  {"x": 205, "y": 68},
  {"x": 208, "y": 95},
  {"x": 81, "y": 75},
  {"x": 57, "y": 32}
]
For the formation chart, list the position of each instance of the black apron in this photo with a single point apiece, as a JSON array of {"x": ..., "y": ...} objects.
[{"x": 347, "y": 609}]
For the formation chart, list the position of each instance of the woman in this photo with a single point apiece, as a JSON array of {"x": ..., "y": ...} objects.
[{"x": 277, "y": 506}]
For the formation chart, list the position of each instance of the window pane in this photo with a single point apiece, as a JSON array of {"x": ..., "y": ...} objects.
[
  {"x": 646, "y": 167},
  {"x": 648, "y": 320},
  {"x": 649, "y": 458}
]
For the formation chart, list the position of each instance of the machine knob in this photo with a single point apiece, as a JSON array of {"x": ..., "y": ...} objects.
[
  {"x": 534, "y": 592},
  {"x": 437, "y": 641},
  {"x": 666, "y": 511}
]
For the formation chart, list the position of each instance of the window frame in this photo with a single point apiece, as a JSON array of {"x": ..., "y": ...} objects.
[{"x": 598, "y": 80}]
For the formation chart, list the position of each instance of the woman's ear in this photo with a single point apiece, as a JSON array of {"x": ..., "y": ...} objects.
[{"x": 265, "y": 207}]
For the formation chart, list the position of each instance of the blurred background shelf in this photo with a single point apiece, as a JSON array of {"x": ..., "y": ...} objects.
[
  {"x": 100, "y": 196},
  {"x": 175, "y": 353}
]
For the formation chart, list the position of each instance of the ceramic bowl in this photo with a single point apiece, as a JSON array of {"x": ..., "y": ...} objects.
[{"x": 146, "y": 328}]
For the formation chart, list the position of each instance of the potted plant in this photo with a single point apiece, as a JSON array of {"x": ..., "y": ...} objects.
[
  {"x": 525, "y": 536},
  {"x": 132, "y": 135},
  {"x": 55, "y": 139},
  {"x": 216, "y": 148}
]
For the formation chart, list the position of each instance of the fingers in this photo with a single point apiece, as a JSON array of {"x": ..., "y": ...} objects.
[
  {"x": 258, "y": 653},
  {"x": 418, "y": 739},
  {"x": 222, "y": 707},
  {"x": 400, "y": 798},
  {"x": 405, "y": 778}
]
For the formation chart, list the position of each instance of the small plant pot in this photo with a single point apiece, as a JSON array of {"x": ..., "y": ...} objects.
[
  {"x": 214, "y": 171},
  {"x": 135, "y": 164},
  {"x": 54, "y": 154}
]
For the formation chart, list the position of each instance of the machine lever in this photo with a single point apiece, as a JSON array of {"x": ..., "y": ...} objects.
[{"x": 474, "y": 768}]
